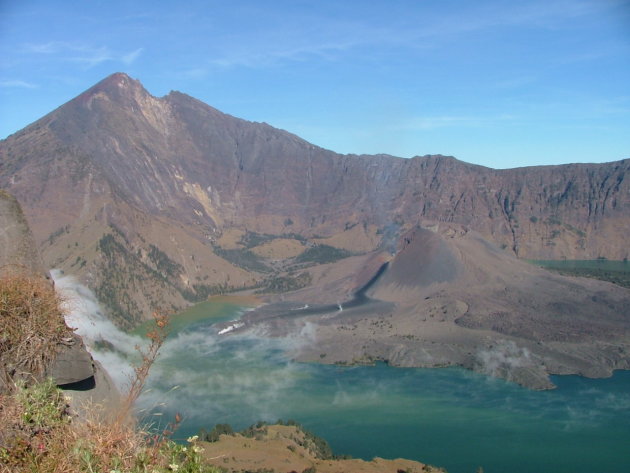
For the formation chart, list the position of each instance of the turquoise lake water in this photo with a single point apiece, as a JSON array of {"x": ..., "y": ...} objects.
[{"x": 447, "y": 417}]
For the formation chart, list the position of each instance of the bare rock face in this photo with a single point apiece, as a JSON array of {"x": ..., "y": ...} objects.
[
  {"x": 72, "y": 364},
  {"x": 18, "y": 251}
]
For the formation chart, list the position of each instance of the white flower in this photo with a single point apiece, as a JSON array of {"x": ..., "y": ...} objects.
[
  {"x": 193, "y": 438},
  {"x": 174, "y": 466},
  {"x": 197, "y": 449}
]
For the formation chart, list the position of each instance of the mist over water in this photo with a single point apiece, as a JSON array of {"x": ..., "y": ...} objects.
[
  {"x": 448, "y": 417},
  {"x": 86, "y": 316}
]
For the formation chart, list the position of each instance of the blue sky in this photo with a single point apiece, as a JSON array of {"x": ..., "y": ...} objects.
[{"x": 493, "y": 82}]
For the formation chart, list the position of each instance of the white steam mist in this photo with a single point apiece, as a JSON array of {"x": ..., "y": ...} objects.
[
  {"x": 197, "y": 370},
  {"x": 244, "y": 375},
  {"x": 503, "y": 358},
  {"x": 85, "y": 314}
]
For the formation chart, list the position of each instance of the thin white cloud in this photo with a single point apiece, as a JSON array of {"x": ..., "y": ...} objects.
[
  {"x": 17, "y": 84},
  {"x": 81, "y": 53},
  {"x": 91, "y": 57},
  {"x": 431, "y": 123},
  {"x": 332, "y": 38},
  {"x": 132, "y": 56},
  {"x": 281, "y": 53},
  {"x": 51, "y": 47},
  {"x": 54, "y": 47},
  {"x": 195, "y": 73}
]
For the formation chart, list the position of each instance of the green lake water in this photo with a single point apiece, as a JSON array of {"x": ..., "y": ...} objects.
[{"x": 447, "y": 417}]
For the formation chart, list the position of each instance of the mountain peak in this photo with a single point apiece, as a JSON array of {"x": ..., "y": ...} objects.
[
  {"x": 116, "y": 86},
  {"x": 119, "y": 79}
]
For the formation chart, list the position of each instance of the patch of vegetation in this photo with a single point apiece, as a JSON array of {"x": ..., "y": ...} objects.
[
  {"x": 113, "y": 287},
  {"x": 31, "y": 325},
  {"x": 294, "y": 236},
  {"x": 252, "y": 239},
  {"x": 244, "y": 259},
  {"x": 621, "y": 278},
  {"x": 577, "y": 231},
  {"x": 287, "y": 283},
  {"x": 163, "y": 263},
  {"x": 108, "y": 245},
  {"x": 57, "y": 233},
  {"x": 616, "y": 272},
  {"x": 318, "y": 446},
  {"x": 322, "y": 254},
  {"x": 80, "y": 261},
  {"x": 255, "y": 431},
  {"x": 216, "y": 432},
  {"x": 201, "y": 292},
  {"x": 553, "y": 220},
  {"x": 123, "y": 274}
]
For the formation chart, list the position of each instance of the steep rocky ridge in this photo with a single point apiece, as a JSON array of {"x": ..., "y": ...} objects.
[{"x": 137, "y": 194}]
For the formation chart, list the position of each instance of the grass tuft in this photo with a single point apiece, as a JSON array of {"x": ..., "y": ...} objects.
[{"x": 31, "y": 325}]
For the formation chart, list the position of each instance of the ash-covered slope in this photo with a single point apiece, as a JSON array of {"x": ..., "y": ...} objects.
[
  {"x": 455, "y": 299},
  {"x": 161, "y": 201}
]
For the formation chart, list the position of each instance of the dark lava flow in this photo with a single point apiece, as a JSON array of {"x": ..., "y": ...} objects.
[{"x": 281, "y": 310}]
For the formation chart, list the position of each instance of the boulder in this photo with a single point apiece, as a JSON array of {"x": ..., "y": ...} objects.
[{"x": 72, "y": 364}]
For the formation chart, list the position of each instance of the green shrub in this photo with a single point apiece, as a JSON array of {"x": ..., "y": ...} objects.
[{"x": 215, "y": 434}]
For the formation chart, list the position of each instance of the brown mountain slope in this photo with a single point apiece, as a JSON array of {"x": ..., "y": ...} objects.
[{"x": 139, "y": 195}]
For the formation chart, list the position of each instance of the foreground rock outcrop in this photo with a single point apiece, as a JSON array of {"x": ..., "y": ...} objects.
[{"x": 30, "y": 309}]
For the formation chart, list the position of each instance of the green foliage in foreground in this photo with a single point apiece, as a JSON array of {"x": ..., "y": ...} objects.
[{"x": 38, "y": 434}]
